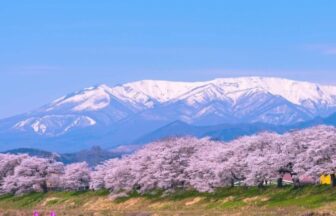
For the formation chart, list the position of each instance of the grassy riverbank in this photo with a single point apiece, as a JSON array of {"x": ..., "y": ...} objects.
[{"x": 310, "y": 200}]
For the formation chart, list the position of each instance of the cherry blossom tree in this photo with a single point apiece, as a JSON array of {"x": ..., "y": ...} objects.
[
  {"x": 32, "y": 174},
  {"x": 182, "y": 163},
  {"x": 205, "y": 165},
  {"x": 76, "y": 176}
]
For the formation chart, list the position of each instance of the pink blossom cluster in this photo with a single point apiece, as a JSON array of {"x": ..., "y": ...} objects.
[{"x": 181, "y": 163}]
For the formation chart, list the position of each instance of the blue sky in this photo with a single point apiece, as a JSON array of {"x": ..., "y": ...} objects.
[{"x": 51, "y": 48}]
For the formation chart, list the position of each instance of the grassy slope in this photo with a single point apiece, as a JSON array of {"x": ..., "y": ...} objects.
[{"x": 226, "y": 201}]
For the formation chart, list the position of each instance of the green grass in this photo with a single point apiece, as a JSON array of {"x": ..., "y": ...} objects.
[
  {"x": 33, "y": 199},
  {"x": 309, "y": 198},
  {"x": 24, "y": 201}
]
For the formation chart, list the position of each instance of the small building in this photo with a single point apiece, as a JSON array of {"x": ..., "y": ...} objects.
[
  {"x": 287, "y": 179},
  {"x": 307, "y": 180}
]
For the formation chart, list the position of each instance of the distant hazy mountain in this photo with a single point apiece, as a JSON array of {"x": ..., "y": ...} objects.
[
  {"x": 93, "y": 156},
  {"x": 223, "y": 132},
  {"x": 227, "y": 132},
  {"x": 111, "y": 116},
  {"x": 33, "y": 152}
]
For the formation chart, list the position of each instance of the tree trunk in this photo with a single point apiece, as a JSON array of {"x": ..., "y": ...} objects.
[
  {"x": 232, "y": 182},
  {"x": 279, "y": 182},
  {"x": 44, "y": 187},
  {"x": 296, "y": 182},
  {"x": 260, "y": 184},
  {"x": 333, "y": 180}
]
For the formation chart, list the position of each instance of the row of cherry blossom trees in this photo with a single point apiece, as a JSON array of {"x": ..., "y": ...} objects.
[
  {"x": 186, "y": 163},
  {"x": 21, "y": 174},
  {"x": 204, "y": 165}
]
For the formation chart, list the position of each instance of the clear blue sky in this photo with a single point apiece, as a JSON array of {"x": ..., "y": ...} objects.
[{"x": 50, "y": 48}]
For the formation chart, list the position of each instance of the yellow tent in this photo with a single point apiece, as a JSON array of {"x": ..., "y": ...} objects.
[{"x": 326, "y": 179}]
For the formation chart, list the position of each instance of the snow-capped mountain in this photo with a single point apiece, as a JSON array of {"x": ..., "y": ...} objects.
[
  {"x": 227, "y": 100},
  {"x": 125, "y": 112}
]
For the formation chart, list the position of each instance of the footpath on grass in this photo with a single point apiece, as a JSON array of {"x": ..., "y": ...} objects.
[{"x": 305, "y": 201}]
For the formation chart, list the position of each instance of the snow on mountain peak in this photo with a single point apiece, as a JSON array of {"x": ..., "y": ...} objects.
[
  {"x": 244, "y": 99},
  {"x": 53, "y": 125},
  {"x": 294, "y": 91},
  {"x": 161, "y": 91},
  {"x": 90, "y": 99},
  {"x": 146, "y": 94}
]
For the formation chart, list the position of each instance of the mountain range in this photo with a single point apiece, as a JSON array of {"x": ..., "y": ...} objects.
[
  {"x": 137, "y": 112},
  {"x": 227, "y": 132},
  {"x": 92, "y": 156}
]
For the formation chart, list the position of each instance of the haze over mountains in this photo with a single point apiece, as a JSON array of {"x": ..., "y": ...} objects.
[{"x": 131, "y": 113}]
